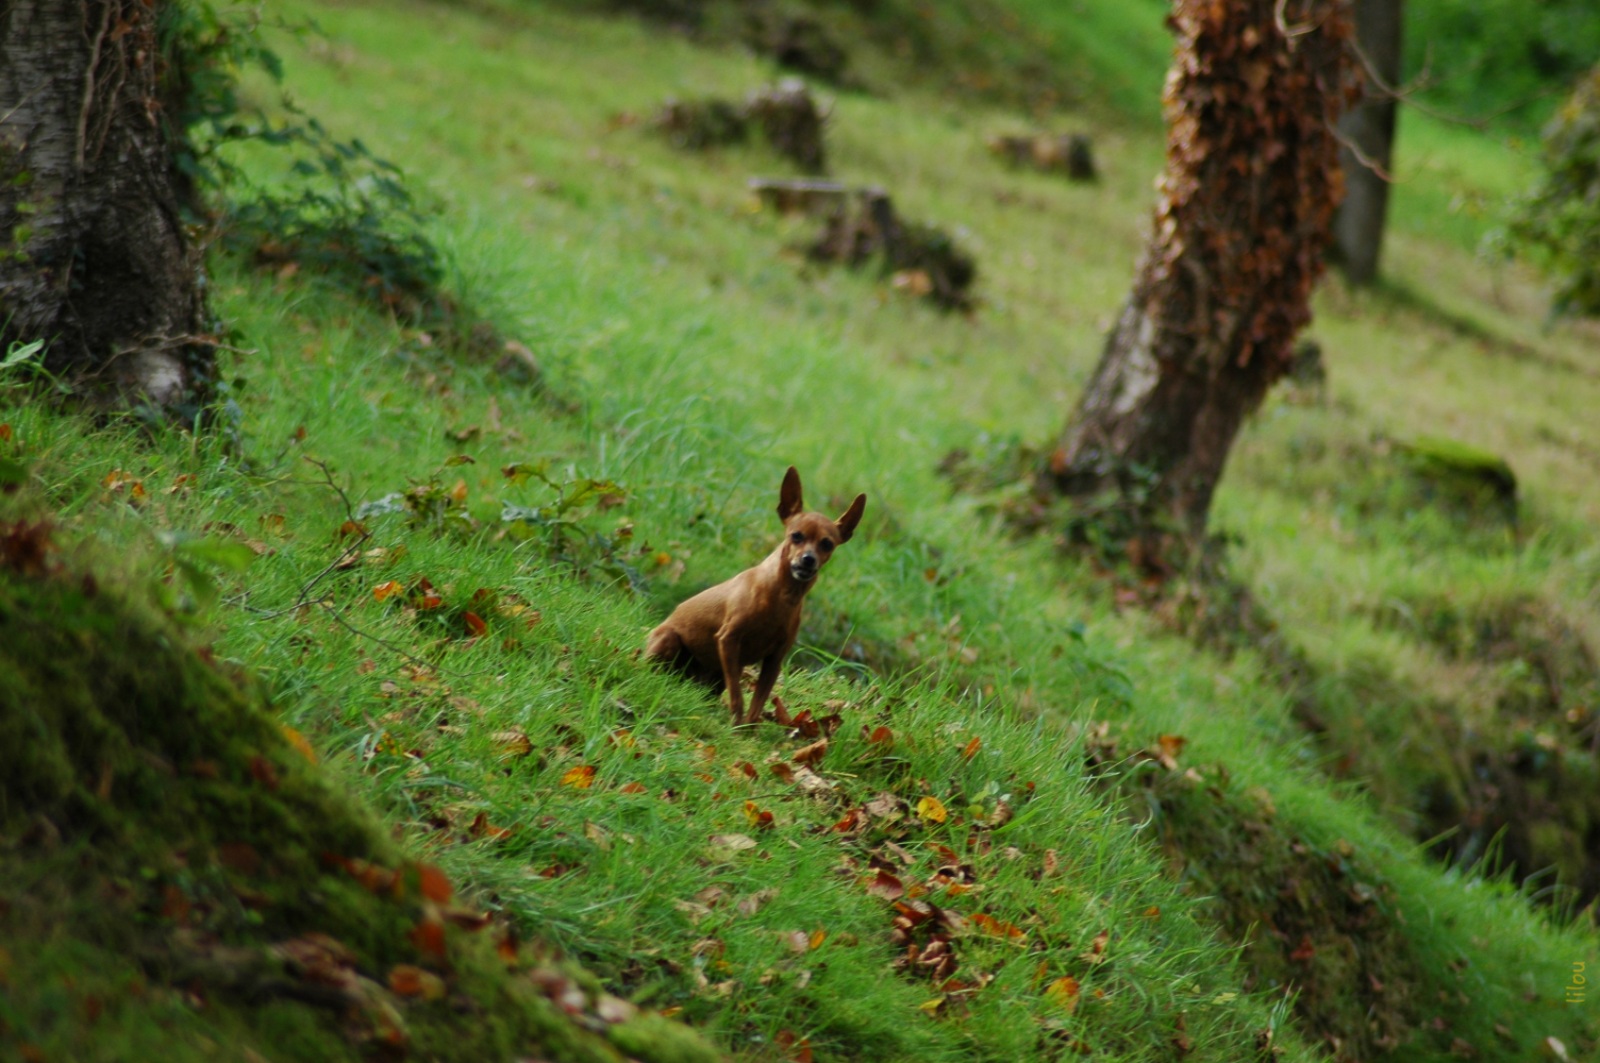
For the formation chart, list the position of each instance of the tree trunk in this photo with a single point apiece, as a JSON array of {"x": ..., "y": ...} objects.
[
  {"x": 1241, "y": 224},
  {"x": 94, "y": 256},
  {"x": 1367, "y": 132}
]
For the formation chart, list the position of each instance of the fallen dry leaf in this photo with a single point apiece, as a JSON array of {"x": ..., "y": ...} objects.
[
  {"x": 409, "y": 981},
  {"x": 997, "y": 927},
  {"x": 579, "y": 778},
  {"x": 811, "y": 754},
  {"x": 428, "y": 937},
  {"x": 887, "y": 886},
  {"x": 299, "y": 741},
  {"x": 733, "y": 842},
  {"x": 433, "y": 884},
  {"x": 1063, "y": 993},
  {"x": 752, "y": 904},
  {"x": 513, "y": 743},
  {"x": 482, "y": 828},
  {"x": 759, "y": 817},
  {"x": 931, "y": 810}
]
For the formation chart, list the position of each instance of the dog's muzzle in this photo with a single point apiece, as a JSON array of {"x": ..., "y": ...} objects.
[{"x": 804, "y": 570}]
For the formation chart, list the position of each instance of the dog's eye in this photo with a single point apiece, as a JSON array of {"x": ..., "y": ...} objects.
[
  {"x": 796, "y": 537},
  {"x": 826, "y": 544}
]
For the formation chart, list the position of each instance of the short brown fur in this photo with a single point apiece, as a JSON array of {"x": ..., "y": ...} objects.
[{"x": 753, "y": 618}]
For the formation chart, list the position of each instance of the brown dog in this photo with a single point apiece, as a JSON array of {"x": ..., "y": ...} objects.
[{"x": 755, "y": 615}]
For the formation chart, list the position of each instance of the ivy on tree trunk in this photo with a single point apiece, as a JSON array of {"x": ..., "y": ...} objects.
[
  {"x": 95, "y": 257},
  {"x": 1242, "y": 221}
]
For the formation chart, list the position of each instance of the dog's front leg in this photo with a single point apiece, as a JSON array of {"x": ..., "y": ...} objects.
[
  {"x": 765, "y": 681},
  {"x": 732, "y": 673}
]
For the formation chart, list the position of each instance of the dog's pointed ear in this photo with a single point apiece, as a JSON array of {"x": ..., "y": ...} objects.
[
  {"x": 789, "y": 504},
  {"x": 852, "y": 517}
]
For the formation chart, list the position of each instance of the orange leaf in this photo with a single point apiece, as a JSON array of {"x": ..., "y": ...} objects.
[
  {"x": 997, "y": 927},
  {"x": 407, "y": 980},
  {"x": 513, "y": 743},
  {"x": 5, "y": 433},
  {"x": 1063, "y": 993},
  {"x": 759, "y": 818},
  {"x": 482, "y": 828},
  {"x": 428, "y": 937},
  {"x": 433, "y": 884},
  {"x": 299, "y": 742},
  {"x": 387, "y": 589},
  {"x": 970, "y": 750},
  {"x": 880, "y": 737},
  {"x": 811, "y": 754},
  {"x": 633, "y": 788},
  {"x": 783, "y": 771},
  {"x": 931, "y": 810},
  {"x": 886, "y": 886},
  {"x": 474, "y": 622},
  {"x": 506, "y": 945},
  {"x": 797, "y": 1047},
  {"x": 579, "y": 778},
  {"x": 818, "y": 937},
  {"x": 264, "y": 771}
]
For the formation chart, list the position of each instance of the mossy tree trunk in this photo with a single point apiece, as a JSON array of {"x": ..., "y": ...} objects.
[
  {"x": 1367, "y": 132},
  {"x": 95, "y": 258},
  {"x": 1241, "y": 224}
]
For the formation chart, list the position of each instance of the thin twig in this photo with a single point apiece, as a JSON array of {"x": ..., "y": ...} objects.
[
  {"x": 304, "y": 599},
  {"x": 88, "y": 85},
  {"x": 1280, "y": 16},
  {"x": 329, "y": 482},
  {"x": 1366, "y": 160},
  {"x": 1406, "y": 94},
  {"x": 4, "y": 118}
]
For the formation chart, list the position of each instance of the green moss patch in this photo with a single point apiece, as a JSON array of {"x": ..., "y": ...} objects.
[{"x": 179, "y": 874}]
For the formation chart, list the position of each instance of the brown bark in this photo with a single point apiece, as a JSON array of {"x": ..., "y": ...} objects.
[
  {"x": 1367, "y": 132},
  {"x": 1241, "y": 224},
  {"x": 94, "y": 256}
]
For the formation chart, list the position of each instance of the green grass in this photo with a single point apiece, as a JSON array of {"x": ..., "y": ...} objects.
[{"x": 689, "y": 359}]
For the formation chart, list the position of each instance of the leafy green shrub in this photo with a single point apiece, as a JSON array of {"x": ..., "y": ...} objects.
[
  {"x": 345, "y": 213},
  {"x": 1499, "y": 57},
  {"x": 1559, "y": 224}
]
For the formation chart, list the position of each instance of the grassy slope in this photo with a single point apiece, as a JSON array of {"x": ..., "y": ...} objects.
[
  {"x": 181, "y": 879},
  {"x": 705, "y": 363}
]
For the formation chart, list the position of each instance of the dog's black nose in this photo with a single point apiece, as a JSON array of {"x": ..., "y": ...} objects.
[{"x": 808, "y": 561}]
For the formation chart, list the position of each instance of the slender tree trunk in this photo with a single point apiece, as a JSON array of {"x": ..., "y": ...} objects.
[
  {"x": 1367, "y": 132},
  {"x": 1241, "y": 224},
  {"x": 94, "y": 256}
]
